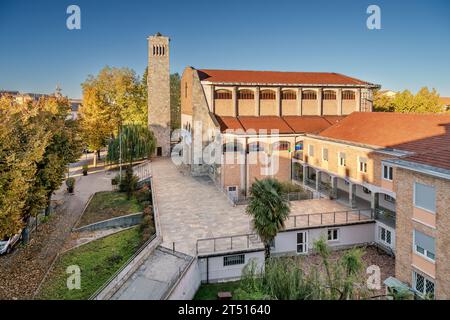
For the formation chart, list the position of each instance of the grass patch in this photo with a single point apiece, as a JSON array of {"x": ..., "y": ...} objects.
[
  {"x": 98, "y": 261},
  {"x": 209, "y": 291},
  {"x": 107, "y": 205}
]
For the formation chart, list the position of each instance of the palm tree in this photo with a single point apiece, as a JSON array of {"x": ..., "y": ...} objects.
[{"x": 269, "y": 207}]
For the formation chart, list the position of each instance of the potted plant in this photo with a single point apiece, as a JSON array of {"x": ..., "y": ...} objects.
[
  {"x": 70, "y": 183},
  {"x": 85, "y": 170}
]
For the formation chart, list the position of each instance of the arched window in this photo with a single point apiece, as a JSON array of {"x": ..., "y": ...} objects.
[
  {"x": 222, "y": 94},
  {"x": 288, "y": 95},
  {"x": 329, "y": 95},
  {"x": 232, "y": 146},
  {"x": 309, "y": 95},
  {"x": 348, "y": 95},
  {"x": 267, "y": 95},
  {"x": 281, "y": 146},
  {"x": 255, "y": 146},
  {"x": 245, "y": 94}
]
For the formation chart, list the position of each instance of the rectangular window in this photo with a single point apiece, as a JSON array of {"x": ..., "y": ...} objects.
[
  {"x": 388, "y": 198},
  {"x": 384, "y": 236},
  {"x": 302, "y": 242},
  {"x": 311, "y": 150},
  {"x": 425, "y": 197},
  {"x": 325, "y": 154},
  {"x": 363, "y": 165},
  {"x": 333, "y": 234},
  {"x": 342, "y": 160},
  {"x": 422, "y": 285},
  {"x": 234, "y": 260},
  {"x": 387, "y": 172},
  {"x": 424, "y": 245}
]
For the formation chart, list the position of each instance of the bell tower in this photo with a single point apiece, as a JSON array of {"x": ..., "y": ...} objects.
[{"x": 158, "y": 82}]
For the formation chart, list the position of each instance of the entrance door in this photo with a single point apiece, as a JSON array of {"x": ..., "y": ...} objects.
[
  {"x": 159, "y": 151},
  {"x": 233, "y": 193},
  {"x": 302, "y": 242}
]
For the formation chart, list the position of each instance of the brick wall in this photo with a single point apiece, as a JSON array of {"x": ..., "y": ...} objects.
[{"x": 404, "y": 187}]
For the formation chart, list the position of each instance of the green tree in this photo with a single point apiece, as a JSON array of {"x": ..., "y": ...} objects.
[
  {"x": 424, "y": 101},
  {"x": 22, "y": 145},
  {"x": 269, "y": 208},
  {"x": 134, "y": 142},
  {"x": 111, "y": 98}
]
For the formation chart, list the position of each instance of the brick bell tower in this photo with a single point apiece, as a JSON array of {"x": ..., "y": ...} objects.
[{"x": 158, "y": 82}]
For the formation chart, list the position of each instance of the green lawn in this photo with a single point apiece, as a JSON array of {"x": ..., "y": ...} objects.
[
  {"x": 109, "y": 204},
  {"x": 98, "y": 261},
  {"x": 209, "y": 291}
]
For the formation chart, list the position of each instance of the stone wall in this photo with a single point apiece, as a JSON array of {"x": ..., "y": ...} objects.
[{"x": 159, "y": 91}]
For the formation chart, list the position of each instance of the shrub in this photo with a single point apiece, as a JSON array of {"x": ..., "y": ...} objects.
[
  {"x": 147, "y": 227},
  {"x": 70, "y": 183},
  {"x": 129, "y": 182},
  {"x": 143, "y": 195}
]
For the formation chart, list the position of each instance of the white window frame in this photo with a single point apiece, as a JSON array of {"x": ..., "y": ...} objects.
[
  {"x": 364, "y": 165},
  {"x": 332, "y": 230},
  {"x": 340, "y": 158},
  {"x": 414, "y": 197},
  {"x": 390, "y": 172},
  {"x": 310, "y": 147},
  {"x": 425, "y": 251},
  {"x": 425, "y": 280},
  {"x": 384, "y": 241},
  {"x": 328, "y": 154},
  {"x": 304, "y": 244}
]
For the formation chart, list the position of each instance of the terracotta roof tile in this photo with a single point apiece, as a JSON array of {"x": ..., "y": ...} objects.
[
  {"x": 427, "y": 135},
  {"x": 269, "y": 123},
  {"x": 286, "y": 124},
  {"x": 310, "y": 124},
  {"x": 278, "y": 77}
]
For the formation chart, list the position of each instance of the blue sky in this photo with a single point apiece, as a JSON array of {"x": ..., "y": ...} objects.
[{"x": 410, "y": 51}]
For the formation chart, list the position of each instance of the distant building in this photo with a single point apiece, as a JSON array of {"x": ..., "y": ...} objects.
[
  {"x": 74, "y": 107},
  {"x": 446, "y": 103},
  {"x": 388, "y": 93}
]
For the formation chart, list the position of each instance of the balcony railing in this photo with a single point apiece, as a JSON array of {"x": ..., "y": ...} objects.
[
  {"x": 386, "y": 216},
  {"x": 328, "y": 218},
  {"x": 228, "y": 243}
]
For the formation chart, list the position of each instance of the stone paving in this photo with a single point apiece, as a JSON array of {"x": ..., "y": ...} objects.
[{"x": 193, "y": 208}]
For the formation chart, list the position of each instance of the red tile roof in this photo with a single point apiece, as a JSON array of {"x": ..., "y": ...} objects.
[
  {"x": 284, "y": 125},
  {"x": 311, "y": 124},
  {"x": 278, "y": 77},
  {"x": 423, "y": 134},
  {"x": 445, "y": 100}
]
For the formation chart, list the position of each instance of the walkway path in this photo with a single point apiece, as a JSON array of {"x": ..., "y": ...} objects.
[
  {"x": 22, "y": 270},
  {"x": 154, "y": 277},
  {"x": 193, "y": 208}
]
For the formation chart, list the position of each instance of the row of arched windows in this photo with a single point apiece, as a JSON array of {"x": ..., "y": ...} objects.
[
  {"x": 256, "y": 146},
  {"x": 246, "y": 94},
  {"x": 159, "y": 50}
]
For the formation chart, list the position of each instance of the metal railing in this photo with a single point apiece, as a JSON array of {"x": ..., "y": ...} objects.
[
  {"x": 328, "y": 218},
  {"x": 116, "y": 274},
  {"x": 228, "y": 243},
  {"x": 385, "y": 215}
]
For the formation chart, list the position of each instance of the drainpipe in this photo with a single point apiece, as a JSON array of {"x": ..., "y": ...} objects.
[
  {"x": 245, "y": 166},
  {"x": 207, "y": 269}
]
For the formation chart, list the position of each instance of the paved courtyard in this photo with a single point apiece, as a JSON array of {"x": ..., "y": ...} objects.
[{"x": 193, "y": 208}]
